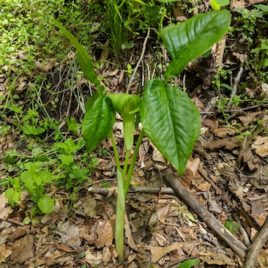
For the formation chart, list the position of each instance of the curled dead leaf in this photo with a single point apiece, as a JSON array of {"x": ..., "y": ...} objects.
[
  {"x": 261, "y": 146},
  {"x": 160, "y": 252}
]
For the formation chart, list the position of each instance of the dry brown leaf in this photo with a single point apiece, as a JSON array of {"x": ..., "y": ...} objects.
[
  {"x": 216, "y": 258},
  {"x": 104, "y": 233},
  {"x": 93, "y": 259},
  {"x": 223, "y": 132},
  {"x": 263, "y": 259},
  {"x": 241, "y": 57},
  {"x": 4, "y": 211},
  {"x": 201, "y": 185},
  {"x": 218, "y": 51},
  {"x": 226, "y": 143},
  {"x": 162, "y": 213},
  {"x": 89, "y": 206},
  {"x": 4, "y": 253},
  {"x": 235, "y": 4},
  {"x": 157, "y": 156},
  {"x": 160, "y": 252},
  {"x": 23, "y": 249},
  {"x": 261, "y": 146},
  {"x": 128, "y": 234},
  {"x": 69, "y": 234},
  {"x": 21, "y": 84},
  {"x": 45, "y": 67},
  {"x": 106, "y": 253}
]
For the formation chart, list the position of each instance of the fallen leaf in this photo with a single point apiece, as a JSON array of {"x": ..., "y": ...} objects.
[
  {"x": 104, "y": 233},
  {"x": 92, "y": 259},
  {"x": 241, "y": 57},
  {"x": 106, "y": 253},
  {"x": 159, "y": 252},
  {"x": 249, "y": 117},
  {"x": 157, "y": 156},
  {"x": 4, "y": 253},
  {"x": 69, "y": 234},
  {"x": 226, "y": 143},
  {"x": 215, "y": 258},
  {"x": 4, "y": 211},
  {"x": 45, "y": 67},
  {"x": 235, "y": 4},
  {"x": 162, "y": 213},
  {"x": 23, "y": 249},
  {"x": 223, "y": 132},
  {"x": 21, "y": 84},
  {"x": 261, "y": 146}
]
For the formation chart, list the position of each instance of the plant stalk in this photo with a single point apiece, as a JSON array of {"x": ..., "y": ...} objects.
[{"x": 132, "y": 164}]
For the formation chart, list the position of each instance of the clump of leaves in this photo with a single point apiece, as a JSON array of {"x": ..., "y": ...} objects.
[
  {"x": 34, "y": 180},
  {"x": 168, "y": 116}
]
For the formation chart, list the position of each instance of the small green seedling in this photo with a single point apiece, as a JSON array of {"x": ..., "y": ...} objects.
[
  {"x": 168, "y": 116},
  {"x": 34, "y": 180}
]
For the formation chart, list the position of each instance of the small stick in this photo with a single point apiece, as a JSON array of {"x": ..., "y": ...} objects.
[
  {"x": 139, "y": 62},
  {"x": 237, "y": 246},
  {"x": 256, "y": 246},
  {"x": 148, "y": 190},
  {"x": 236, "y": 82},
  {"x": 13, "y": 221}
]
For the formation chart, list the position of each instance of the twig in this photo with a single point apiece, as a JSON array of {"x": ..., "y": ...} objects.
[
  {"x": 236, "y": 82},
  {"x": 237, "y": 246},
  {"x": 148, "y": 190},
  {"x": 13, "y": 221},
  {"x": 139, "y": 62},
  {"x": 256, "y": 246}
]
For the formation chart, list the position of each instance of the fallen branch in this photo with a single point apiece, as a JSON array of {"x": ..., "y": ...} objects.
[
  {"x": 148, "y": 190},
  {"x": 237, "y": 246},
  {"x": 256, "y": 246}
]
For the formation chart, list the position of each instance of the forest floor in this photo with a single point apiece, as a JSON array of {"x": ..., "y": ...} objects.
[{"x": 40, "y": 115}]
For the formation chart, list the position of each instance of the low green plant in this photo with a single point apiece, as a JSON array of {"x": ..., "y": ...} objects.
[
  {"x": 189, "y": 263},
  {"x": 34, "y": 179},
  {"x": 168, "y": 116},
  {"x": 232, "y": 226},
  {"x": 126, "y": 19}
]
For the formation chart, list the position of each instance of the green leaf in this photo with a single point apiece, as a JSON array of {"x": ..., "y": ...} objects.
[
  {"x": 12, "y": 196},
  {"x": 217, "y": 4},
  {"x": 32, "y": 130},
  {"x": 84, "y": 59},
  {"x": 98, "y": 121},
  {"x": 171, "y": 121},
  {"x": 189, "y": 263},
  {"x": 126, "y": 105},
  {"x": 192, "y": 38},
  {"x": 46, "y": 204}
]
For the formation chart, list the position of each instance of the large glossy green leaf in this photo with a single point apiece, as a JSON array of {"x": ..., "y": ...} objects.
[
  {"x": 98, "y": 121},
  {"x": 126, "y": 105},
  {"x": 192, "y": 38},
  {"x": 171, "y": 121},
  {"x": 84, "y": 59}
]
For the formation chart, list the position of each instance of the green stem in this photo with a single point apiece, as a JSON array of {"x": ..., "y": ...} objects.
[
  {"x": 120, "y": 217},
  {"x": 126, "y": 164},
  {"x": 116, "y": 154},
  {"x": 132, "y": 164},
  {"x": 120, "y": 206}
]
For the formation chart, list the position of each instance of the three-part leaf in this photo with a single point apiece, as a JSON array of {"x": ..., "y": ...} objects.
[
  {"x": 171, "y": 121},
  {"x": 84, "y": 59},
  {"x": 192, "y": 38},
  {"x": 98, "y": 121}
]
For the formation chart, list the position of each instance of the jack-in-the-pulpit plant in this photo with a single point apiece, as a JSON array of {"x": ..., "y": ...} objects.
[{"x": 167, "y": 115}]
